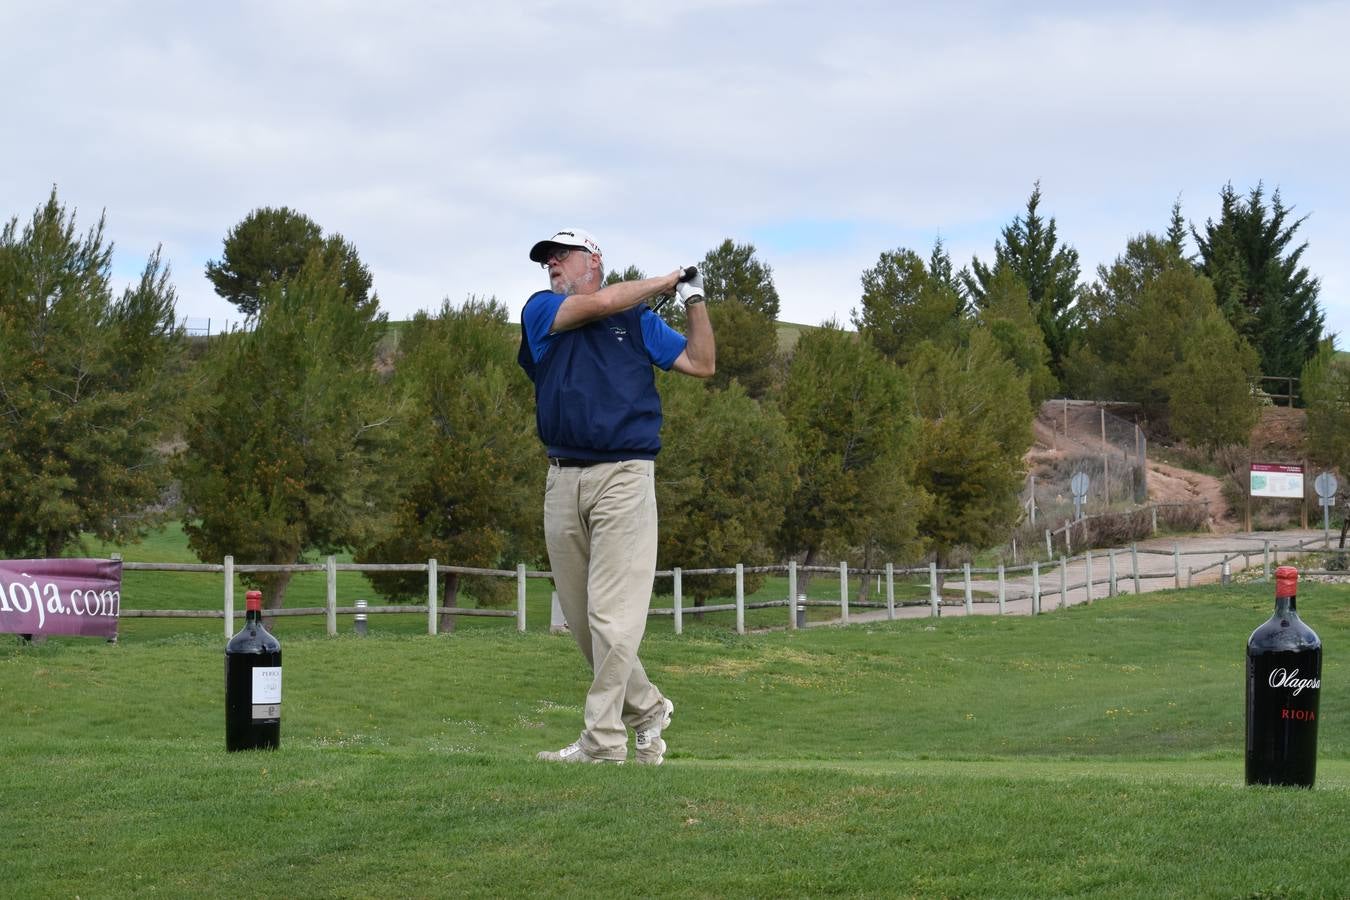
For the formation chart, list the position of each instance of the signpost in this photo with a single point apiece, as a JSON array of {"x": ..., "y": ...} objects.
[
  {"x": 1079, "y": 485},
  {"x": 1274, "y": 480},
  {"x": 1325, "y": 485}
]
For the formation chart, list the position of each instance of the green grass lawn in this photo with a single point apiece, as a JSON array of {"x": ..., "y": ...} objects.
[{"x": 1093, "y": 751}]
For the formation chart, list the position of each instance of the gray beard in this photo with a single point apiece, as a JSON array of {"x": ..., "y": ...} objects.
[{"x": 568, "y": 288}]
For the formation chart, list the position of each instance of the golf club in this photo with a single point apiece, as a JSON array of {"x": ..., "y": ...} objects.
[{"x": 665, "y": 298}]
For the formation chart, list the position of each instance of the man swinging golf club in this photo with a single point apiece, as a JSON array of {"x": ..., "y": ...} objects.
[{"x": 589, "y": 351}]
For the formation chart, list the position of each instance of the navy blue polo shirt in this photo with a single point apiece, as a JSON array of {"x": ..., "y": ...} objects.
[{"x": 594, "y": 388}]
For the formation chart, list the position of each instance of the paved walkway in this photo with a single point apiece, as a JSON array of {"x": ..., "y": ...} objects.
[{"x": 1156, "y": 568}]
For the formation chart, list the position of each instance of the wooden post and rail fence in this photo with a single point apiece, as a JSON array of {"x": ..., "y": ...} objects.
[{"x": 1122, "y": 571}]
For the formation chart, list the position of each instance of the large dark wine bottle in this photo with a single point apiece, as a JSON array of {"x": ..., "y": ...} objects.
[
  {"x": 253, "y": 683},
  {"x": 1284, "y": 682}
]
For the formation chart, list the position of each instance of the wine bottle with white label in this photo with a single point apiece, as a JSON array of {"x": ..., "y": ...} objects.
[
  {"x": 253, "y": 683},
  {"x": 1284, "y": 683}
]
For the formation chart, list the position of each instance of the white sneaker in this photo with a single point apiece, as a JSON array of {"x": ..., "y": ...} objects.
[
  {"x": 651, "y": 748},
  {"x": 573, "y": 753}
]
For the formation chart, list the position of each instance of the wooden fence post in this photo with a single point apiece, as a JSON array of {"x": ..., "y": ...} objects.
[
  {"x": 933, "y": 598},
  {"x": 1035, "y": 587},
  {"x": 1176, "y": 562},
  {"x": 740, "y": 598},
  {"x": 520, "y": 597},
  {"x": 890, "y": 591},
  {"x": 433, "y": 622},
  {"x": 792, "y": 594},
  {"x": 969, "y": 608},
  {"x": 1265, "y": 564},
  {"x": 1002, "y": 592},
  {"x": 229, "y": 597},
  {"x": 1112, "y": 588},
  {"x": 843, "y": 592},
  {"x": 1089, "y": 576},
  {"x": 679, "y": 601},
  {"x": 1134, "y": 566},
  {"x": 330, "y": 569},
  {"x": 1063, "y": 582}
]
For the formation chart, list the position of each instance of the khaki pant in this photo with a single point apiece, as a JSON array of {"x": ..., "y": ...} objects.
[{"x": 600, "y": 525}]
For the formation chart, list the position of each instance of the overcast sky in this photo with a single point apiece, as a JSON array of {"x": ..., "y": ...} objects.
[{"x": 444, "y": 139}]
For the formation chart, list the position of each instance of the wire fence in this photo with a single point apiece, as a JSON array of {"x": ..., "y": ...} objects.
[{"x": 1106, "y": 453}]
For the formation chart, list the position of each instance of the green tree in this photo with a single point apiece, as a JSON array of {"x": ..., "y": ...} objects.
[
  {"x": 731, "y": 272},
  {"x": 1210, "y": 397},
  {"x": 850, "y": 414},
  {"x": 743, "y": 304},
  {"x": 1259, "y": 284},
  {"x": 87, "y": 387},
  {"x": 472, "y": 465},
  {"x": 1325, "y": 383},
  {"x": 726, "y": 471},
  {"x": 1050, "y": 273},
  {"x": 632, "y": 273},
  {"x": 1137, "y": 321},
  {"x": 271, "y": 245},
  {"x": 289, "y": 449},
  {"x": 903, "y": 306},
  {"x": 975, "y": 428},
  {"x": 1007, "y": 317}
]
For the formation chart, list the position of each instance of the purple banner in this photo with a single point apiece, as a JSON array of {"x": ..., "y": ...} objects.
[{"x": 60, "y": 596}]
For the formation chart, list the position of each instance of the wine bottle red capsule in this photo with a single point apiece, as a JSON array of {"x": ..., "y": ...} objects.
[
  {"x": 1284, "y": 684},
  {"x": 253, "y": 683}
]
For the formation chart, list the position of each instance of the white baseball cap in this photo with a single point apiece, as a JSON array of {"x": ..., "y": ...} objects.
[{"x": 569, "y": 237}]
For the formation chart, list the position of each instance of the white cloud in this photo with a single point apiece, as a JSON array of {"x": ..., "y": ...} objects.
[{"x": 443, "y": 140}]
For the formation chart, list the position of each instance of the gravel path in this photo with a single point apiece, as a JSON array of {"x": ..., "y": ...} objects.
[{"x": 1157, "y": 567}]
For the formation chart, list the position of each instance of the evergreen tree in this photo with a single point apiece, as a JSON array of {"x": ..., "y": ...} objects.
[
  {"x": 1325, "y": 383},
  {"x": 1152, "y": 326},
  {"x": 903, "y": 306},
  {"x": 1210, "y": 389},
  {"x": 288, "y": 451},
  {"x": 1007, "y": 317},
  {"x": 743, "y": 304},
  {"x": 726, "y": 471},
  {"x": 471, "y": 461},
  {"x": 271, "y": 245},
  {"x": 87, "y": 387},
  {"x": 1050, "y": 273},
  {"x": 975, "y": 427},
  {"x": 850, "y": 414},
  {"x": 1267, "y": 296}
]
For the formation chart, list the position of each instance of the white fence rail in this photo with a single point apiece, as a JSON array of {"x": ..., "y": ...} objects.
[{"x": 1122, "y": 570}]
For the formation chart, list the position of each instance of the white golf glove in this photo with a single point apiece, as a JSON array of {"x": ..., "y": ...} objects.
[{"x": 690, "y": 291}]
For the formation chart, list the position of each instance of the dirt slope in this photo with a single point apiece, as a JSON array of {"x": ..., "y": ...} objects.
[{"x": 1277, "y": 437}]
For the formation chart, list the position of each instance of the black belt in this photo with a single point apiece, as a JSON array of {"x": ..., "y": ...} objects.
[{"x": 564, "y": 462}]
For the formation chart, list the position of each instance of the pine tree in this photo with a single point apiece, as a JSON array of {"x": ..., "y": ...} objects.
[
  {"x": 903, "y": 305},
  {"x": 288, "y": 451},
  {"x": 271, "y": 245},
  {"x": 974, "y": 428},
  {"x": 850, "y": 413},
  {"x": 1050, "y": 273},
  {"x": 726, "y": 470},
  {"x": 471, "y": 461},
  {"x": 1267, "y": 296},
  {"x": 88, "y": 387}
]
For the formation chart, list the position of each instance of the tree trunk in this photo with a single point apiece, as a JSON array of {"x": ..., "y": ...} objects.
[
  {"x": 865, "y": 588},
  {"x": 803, "y": 576},
  {"x": 449, "y": 600},
  {"x": 274, "y": 588}
]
